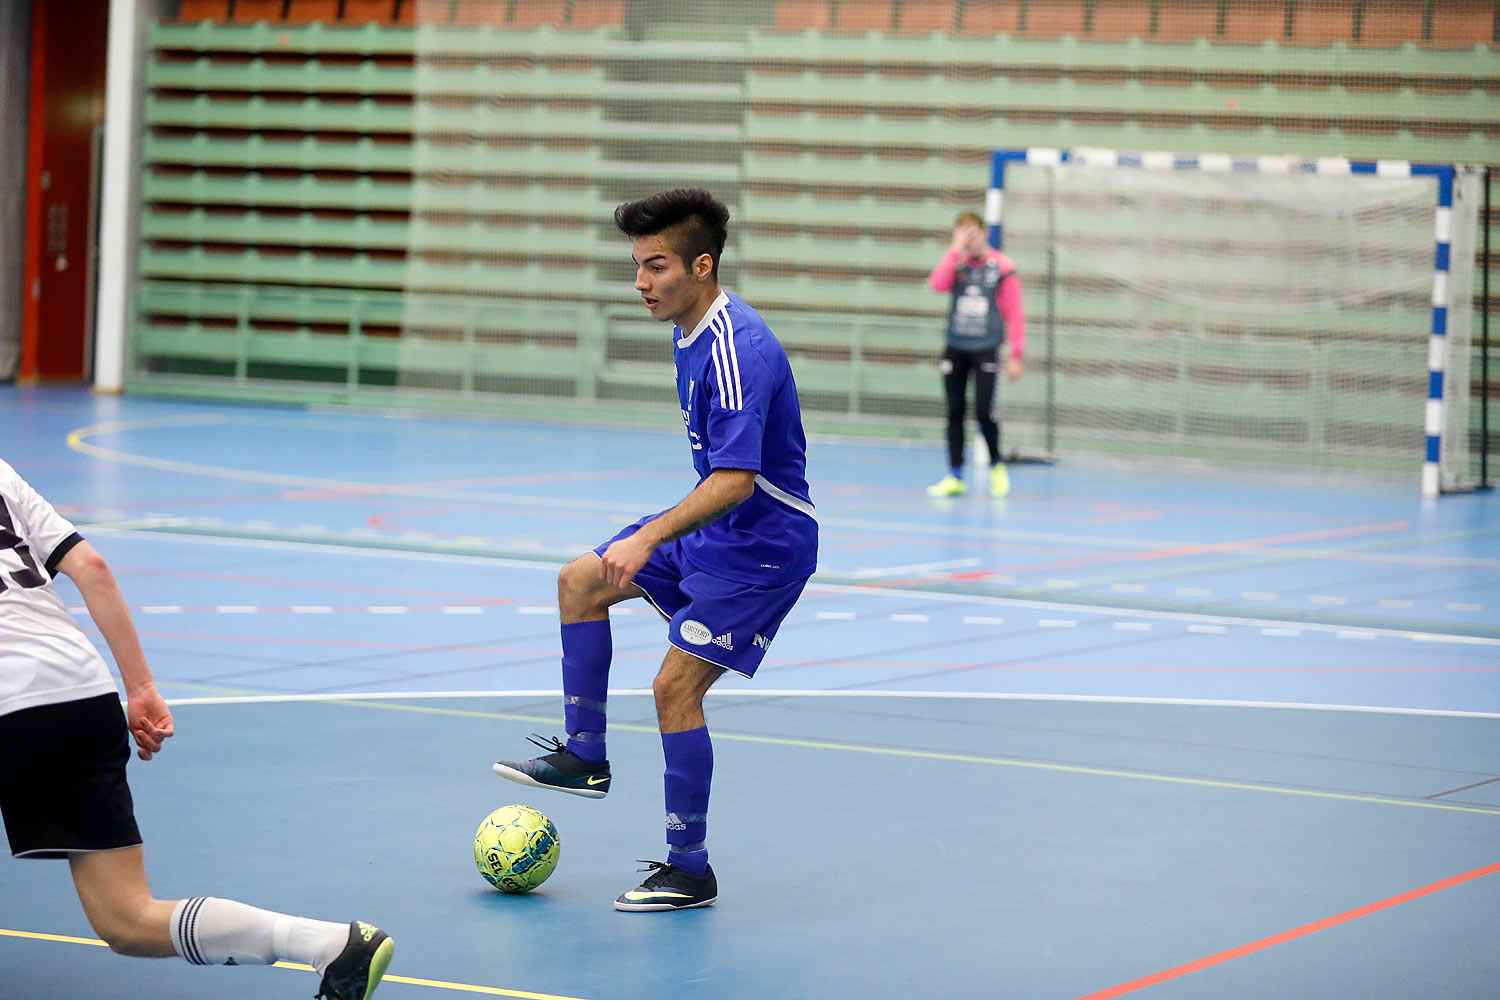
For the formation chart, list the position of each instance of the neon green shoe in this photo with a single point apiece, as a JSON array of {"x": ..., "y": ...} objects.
[
  {"x": 999, "y": 480},
  {"x": 360, "y": 966},
  {"x": 948, "y": 486}
]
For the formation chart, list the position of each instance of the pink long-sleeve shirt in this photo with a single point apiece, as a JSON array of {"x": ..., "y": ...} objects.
[{"x": 1007, "y": 297}]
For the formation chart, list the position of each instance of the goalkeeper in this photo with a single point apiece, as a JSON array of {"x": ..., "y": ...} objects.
[{"x": 984, "y": 315}]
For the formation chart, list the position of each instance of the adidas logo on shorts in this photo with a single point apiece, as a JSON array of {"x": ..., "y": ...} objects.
[{"x": 723, "y": 640}]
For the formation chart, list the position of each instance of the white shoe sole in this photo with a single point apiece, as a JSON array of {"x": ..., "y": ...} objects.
[
  {"x": 658, "y": 907},
  {"x": 522, "y": 778}
]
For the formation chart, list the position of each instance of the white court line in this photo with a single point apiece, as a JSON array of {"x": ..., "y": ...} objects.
[
  {"x": 1122, "y": 612},
  {"x": 835, "y": 693},
  {"x": 830, "y": 588},
  {"x": 143, "y": 528},
  {"x": 918, "y": 569}
]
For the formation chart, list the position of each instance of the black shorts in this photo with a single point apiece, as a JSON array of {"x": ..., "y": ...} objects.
[{"x": 62, "y": 779}]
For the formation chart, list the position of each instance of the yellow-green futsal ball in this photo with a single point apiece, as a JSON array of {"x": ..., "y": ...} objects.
[{"x": 516, "y": 848}]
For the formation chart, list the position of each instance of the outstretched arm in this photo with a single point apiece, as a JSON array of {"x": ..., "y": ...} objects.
[
  {"x": 150, "y": 720},
  {"x": 720, "y": 492}
]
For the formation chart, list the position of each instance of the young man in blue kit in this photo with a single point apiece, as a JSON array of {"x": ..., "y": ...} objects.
[{"x": 724, "y": 566}]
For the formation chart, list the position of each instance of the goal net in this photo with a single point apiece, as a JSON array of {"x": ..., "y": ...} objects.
[{"x": 1305, "y": 315}]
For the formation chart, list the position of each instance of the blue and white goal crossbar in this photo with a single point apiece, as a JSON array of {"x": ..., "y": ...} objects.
[{"x": 1332, "y": 166}]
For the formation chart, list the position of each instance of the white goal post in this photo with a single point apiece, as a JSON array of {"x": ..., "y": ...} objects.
[{"x": 1306, "y": 313}]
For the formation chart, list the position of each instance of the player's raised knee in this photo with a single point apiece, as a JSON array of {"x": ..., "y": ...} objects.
[{"x": 575, "y": 583}]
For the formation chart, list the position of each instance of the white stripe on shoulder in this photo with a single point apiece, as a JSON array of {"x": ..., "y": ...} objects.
[
  {"x": 726, "y": 363},
  {"x": 726, "y": 398},
  {"x": 734, "y": 363}
]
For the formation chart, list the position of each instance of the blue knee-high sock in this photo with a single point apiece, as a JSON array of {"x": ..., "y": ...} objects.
[
  {"x": 690, "y": 771},
  {"x": 587, "y": 650}
]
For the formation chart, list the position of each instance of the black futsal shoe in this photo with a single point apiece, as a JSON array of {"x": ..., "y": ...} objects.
[
  {"x": 360, "y": 966},
  {"x": 670, "y": 888},
  {"x": 561, "y": 769}
]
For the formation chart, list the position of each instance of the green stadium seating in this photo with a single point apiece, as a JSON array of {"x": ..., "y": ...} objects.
[
  {"x": 800, "y": 208},
  {"x": 308, "y": 153},
  {"x": 251, "y": 228},
  {"x": 253, "y": 189},
  {"x": 867, "y": 252},
  {"x": 308, "y": 114},
  {"x": 261, "y": 76},
  {"x": 1005, "y": 95},
  {"x": 428, "y": 40},
  {"x": 928, "y": 170},
  {"x": 353, "y": 203}
]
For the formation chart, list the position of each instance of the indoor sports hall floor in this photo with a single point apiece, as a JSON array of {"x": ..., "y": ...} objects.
[{"x": 1128, "y": 732}]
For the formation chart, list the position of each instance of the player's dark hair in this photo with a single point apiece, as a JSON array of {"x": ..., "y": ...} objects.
[{"x": 693, "y": 221}]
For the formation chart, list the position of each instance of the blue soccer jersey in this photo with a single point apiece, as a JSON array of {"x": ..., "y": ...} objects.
[{"x": 739, "y": 403}]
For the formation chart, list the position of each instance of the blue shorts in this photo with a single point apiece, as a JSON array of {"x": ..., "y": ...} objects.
[{"x": 728, "y": 623}]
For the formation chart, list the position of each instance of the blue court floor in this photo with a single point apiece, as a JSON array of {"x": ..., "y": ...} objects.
[{"x": 1157, "y": 732}]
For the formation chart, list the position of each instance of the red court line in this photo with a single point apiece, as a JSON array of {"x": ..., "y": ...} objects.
[{"x": 1291, "y": 935}]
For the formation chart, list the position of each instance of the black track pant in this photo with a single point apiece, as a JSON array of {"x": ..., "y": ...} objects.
[{"x": 956, "y": 367}]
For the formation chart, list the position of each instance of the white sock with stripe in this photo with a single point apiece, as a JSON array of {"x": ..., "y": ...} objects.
[{"x": 209, "y": 931}]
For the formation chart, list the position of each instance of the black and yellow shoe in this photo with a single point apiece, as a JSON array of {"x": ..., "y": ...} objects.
[
  {"x": 360, "y": 966},
  {"x": 670, "y": 888},
  {"x": 562, "y": 769}
]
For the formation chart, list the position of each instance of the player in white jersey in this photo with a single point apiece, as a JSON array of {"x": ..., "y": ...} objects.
[
  {"x": 724, "y": 566},
  {"x": 64, "y": 744}
]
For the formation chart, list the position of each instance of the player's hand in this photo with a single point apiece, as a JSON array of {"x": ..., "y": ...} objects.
[
  {"x": 963, "y": 238},
  {"x": 1013, "y": 368},
  {"x": 968, "y": 240},
  {"x": 624, "y": 559},
  {"x": 150, "y": 720}
]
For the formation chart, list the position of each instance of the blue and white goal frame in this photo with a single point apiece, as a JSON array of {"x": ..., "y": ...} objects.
[{"x": 1437, "y": 351}]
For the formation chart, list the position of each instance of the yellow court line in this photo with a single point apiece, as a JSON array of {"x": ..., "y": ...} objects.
[
  {"x": 439, "y": 984},
  {"x": 954, "y": 757},
  {"x": 65, "y": 939},
  {"x": 468, "y": 988}
]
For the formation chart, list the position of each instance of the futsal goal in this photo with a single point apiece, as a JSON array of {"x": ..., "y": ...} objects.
[{"x": 1307, "y": 314}]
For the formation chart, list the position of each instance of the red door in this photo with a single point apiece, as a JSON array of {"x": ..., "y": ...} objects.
[{"x": 68, "y": 47}]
